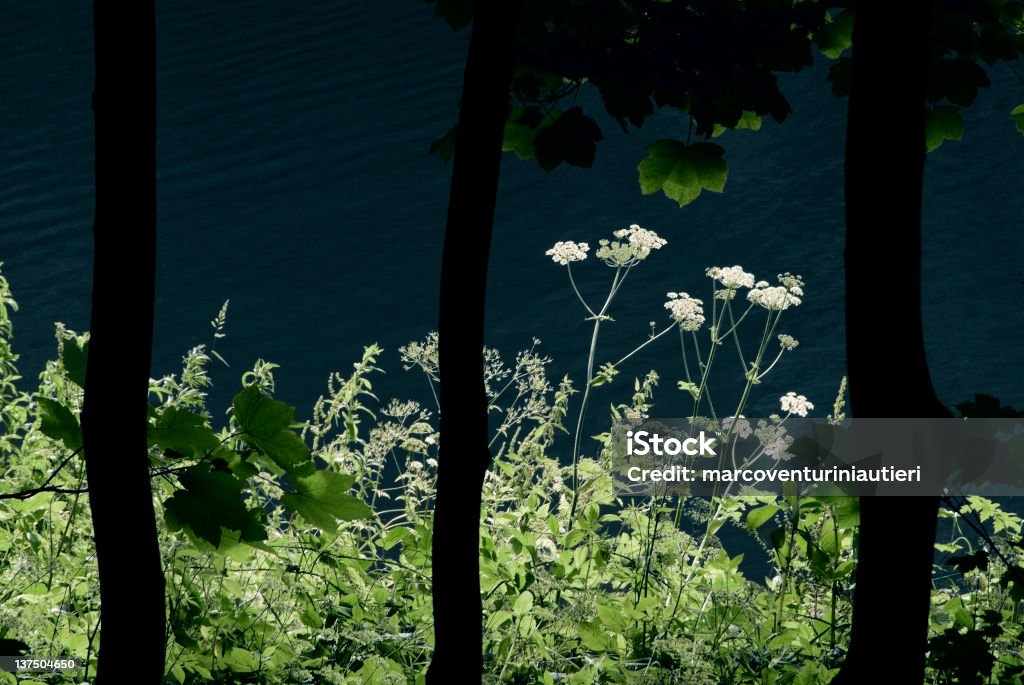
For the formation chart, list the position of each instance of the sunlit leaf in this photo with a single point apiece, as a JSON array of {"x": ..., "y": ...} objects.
[
  {"x": 58, "y": 423},
  {"x": 321, "y": 500},
  {"x": 681, "y": 171}
]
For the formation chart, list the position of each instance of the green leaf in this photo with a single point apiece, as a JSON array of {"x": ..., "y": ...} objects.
[
  {"x": 574, "y": 537},
  {"x": 265, "y": 424},
  {"x": 523, "y": 604},
  {"x": 758, "y": 517},
  {"x": 829, "y": 539},
  {"x": 839, "y": 76},
  {"x": 321, "y": 500},
  {"x": 395, "y": 536},
  {"x": 444, "y": 147},
  {"x": 837, "y": 35},
  {"x": 209, "y": 501},
  {"x": 58, "y": 423},
  {"x": 183, "y": 431},
  {"x": 1018, "y": 116},
  {"x": 571, "y": 138},
  {"x": 969, "y": 562},
  {"x": 749, "y": 121},
  {"x": 683, "y": 171},
  {"x": 942, "y": 123},
  {"x": 73, "y": 359},
  {"x": 522, "y": 127},
  {"x": 240, "y": 660}
]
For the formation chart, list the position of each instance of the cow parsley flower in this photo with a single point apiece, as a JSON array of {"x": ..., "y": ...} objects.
[
  {"x": 642, "y": 239},
  {"x": 793, "y": 284},
  {"x": 788, "y": 342},
  {"x": 739, "y": 425},
  {"x": 634, "y": 244},
  {"x": 795, "y": 404},
  {"x": 773, "y": 298},
  {"x": 731, "y": 277},
  {"x": 566, "y": 251},
  {"x": 686, "y": 310}
]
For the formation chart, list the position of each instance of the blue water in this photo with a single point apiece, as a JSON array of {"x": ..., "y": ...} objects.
[{"x": 294, "y": 180}]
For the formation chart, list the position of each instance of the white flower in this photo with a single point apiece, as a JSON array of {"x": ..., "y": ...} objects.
[
  {"x": 774, "y": 298},
  {"x": 634, "y": 244},
  {"x": 641, "y": 238},
  {"x": 566, "y": 251},
  {"x": 794, "y": 284},
  {"x": 773, "y": 439},
  {"x": 731, "y": 277},
  {"x": 795, "y": 404},
  {"x": 546, "y": 548},
  {"x": 686, "y": 310},
  {"x": 788, "y": 342},
  {"x": 741, "y": 428}
]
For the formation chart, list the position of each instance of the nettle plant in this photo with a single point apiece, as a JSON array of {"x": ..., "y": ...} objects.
[{"x": 299, "y": 551}]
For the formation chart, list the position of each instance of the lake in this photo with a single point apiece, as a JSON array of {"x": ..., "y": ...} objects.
[{"x": 294, "y": 180}]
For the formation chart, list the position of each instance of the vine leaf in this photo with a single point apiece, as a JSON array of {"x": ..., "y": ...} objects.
[
  {"x": 183, "y": 431},
  {"x": 321, "y": 499},
  {"x": 837, "y": 35},
  {"x": 942, "y": 123},
  {"x": 1018, "y": 116},
  {"x": 444, "y": 147},
  {"x": 681, "y": 171},
  {"x": 265, "y": 424},
  {"x": 209, "y": 501},
  {"x": 58, "y": 423},
  {"x": 571, "y": 138},
  {"x": 73, "y": 358}
]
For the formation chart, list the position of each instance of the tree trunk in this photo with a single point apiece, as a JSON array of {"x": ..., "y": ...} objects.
[
  {"x": 464, "y": 456},
  {"x": 114, "y": 418},
  {"x": 888, "y": 370}
]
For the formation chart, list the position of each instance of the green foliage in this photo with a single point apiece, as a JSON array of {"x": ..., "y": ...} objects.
[
  {"x": 57, "y": 422},
  {"x": 1018, "y": 117},
  {"x": 942, "y": 123},
  {"x": 265, "y": 424},
  {"x": 211, "y": 500},
  {"x": 321, "y": 500},
  {"x": 715, "y": 63},
  {"x": 279, "y": 576},
  {"x": 682, "y": 171}
]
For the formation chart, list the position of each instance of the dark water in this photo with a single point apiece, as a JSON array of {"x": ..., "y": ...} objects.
[{"x": 294, "y": 180}]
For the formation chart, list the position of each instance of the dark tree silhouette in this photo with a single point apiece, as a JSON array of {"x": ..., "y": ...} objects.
[
  {"x": 889, "y": 377},
  {"x": 114, "y": 418},
  {"x": 464, "y": 455}
]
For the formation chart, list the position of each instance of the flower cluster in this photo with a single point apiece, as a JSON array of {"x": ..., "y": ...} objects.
[
  {"x": 792, "y": 283},
  {"x": 795, "y": 404},
  {"x": 773, "y": 438},
  {"x": 739, "y": 425},
  {"x": 788, "y": 342},
  {"x": 642, "y": 239},
  {"x": 566, "y": 251},
  {"x": 774, "y": 298},
  {"x": 731, "y": 277},
  {"x": 686, "y": 310},
  {"x": 633, "y": 245}
]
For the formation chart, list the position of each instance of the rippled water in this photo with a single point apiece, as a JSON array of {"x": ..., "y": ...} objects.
[{"x": 294, "y": 180}]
